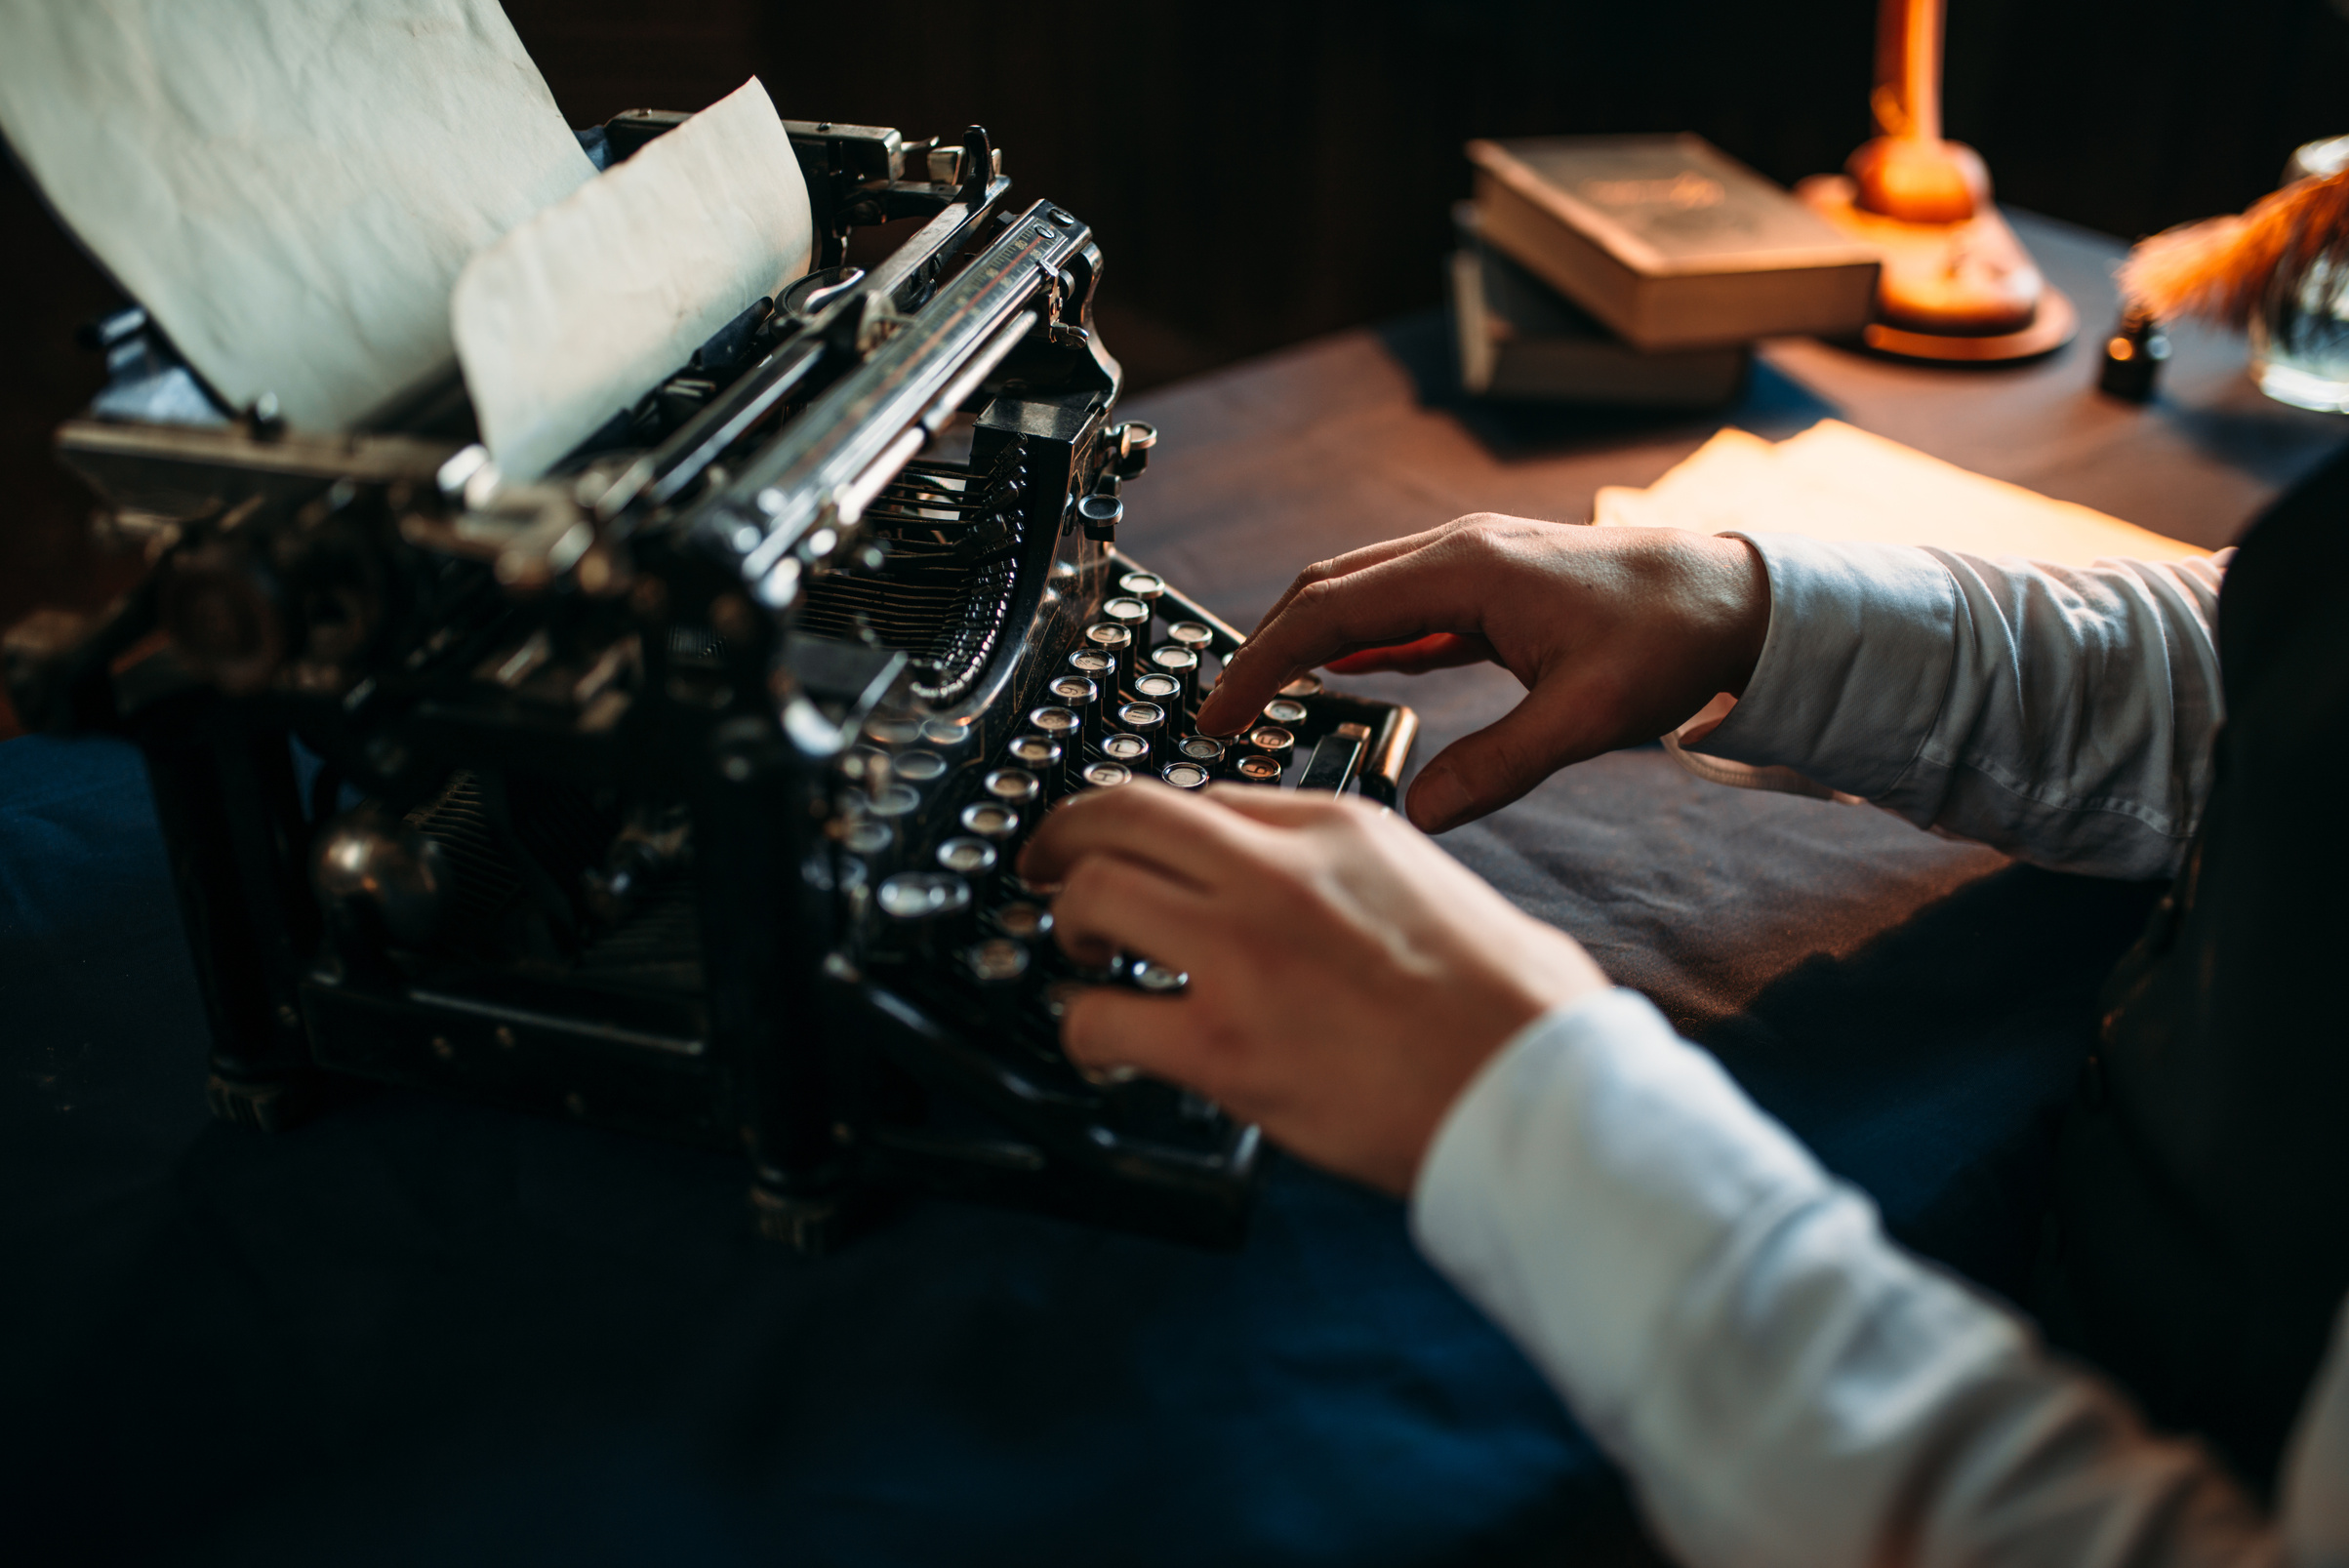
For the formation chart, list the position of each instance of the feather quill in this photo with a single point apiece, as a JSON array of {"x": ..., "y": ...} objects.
[{"x": 2219, "y": 268}]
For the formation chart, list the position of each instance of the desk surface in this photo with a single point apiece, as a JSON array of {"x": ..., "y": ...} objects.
[{"x": 428, "y": 1330}]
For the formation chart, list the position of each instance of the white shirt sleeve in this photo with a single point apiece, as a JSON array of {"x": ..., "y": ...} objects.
[
  {"x": 2063, "y": 714},
  {"x": 1782, "y": 1383}
]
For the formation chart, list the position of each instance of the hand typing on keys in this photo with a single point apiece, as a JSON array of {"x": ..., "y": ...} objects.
[
  {"x": 1618, "y": 635},
  {"x": 1346, "y": 976}
]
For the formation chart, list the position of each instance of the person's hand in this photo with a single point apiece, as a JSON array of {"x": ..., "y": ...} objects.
[
  {"x": 1618, "y": 635},
  {"x": 1346, "y": 976}
]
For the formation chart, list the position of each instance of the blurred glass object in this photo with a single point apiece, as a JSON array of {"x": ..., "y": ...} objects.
[{"x": 2300, "y": 333}]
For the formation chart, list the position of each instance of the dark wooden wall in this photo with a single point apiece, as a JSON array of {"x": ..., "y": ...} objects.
[{"x": 1262, "y": 171}]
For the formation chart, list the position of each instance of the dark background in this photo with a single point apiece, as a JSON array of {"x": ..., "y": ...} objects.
[{"x": 1263, "y": 171}]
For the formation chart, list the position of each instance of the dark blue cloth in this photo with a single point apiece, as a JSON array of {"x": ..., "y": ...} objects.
[{"x": 419, "y": 1330}]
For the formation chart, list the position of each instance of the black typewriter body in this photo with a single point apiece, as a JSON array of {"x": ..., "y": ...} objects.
[{"x": 680, "y": 791}]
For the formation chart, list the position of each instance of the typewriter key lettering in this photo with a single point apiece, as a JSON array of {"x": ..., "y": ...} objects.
[
  {"x": 1204, "y": 750},
  {"x": 1284, "y": 710},
  {"x": 1183, "y": 663},
  {"x": 1274, "y": 742},
  {"x": 1040, "y": 755},
  {"x": 1108, "y": 775},
  {"x": 1257, "y": 770}
]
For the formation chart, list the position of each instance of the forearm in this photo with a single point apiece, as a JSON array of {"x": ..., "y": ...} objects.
[
  {"x": 2062, "y": 715},
  {"x": 1783, "y": 1386}
]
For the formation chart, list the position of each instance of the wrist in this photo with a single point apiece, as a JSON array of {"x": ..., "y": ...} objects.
[{"x": 1736, "y": 591}]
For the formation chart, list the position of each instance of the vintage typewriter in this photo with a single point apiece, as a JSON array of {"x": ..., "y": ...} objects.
[{"x": 680, "y": 792}]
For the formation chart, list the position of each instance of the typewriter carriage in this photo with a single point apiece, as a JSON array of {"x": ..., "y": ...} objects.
[{"x": 578, "y": 795}]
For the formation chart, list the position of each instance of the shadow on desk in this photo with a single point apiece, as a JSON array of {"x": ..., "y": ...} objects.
[{"x": 1770, "y": 404}]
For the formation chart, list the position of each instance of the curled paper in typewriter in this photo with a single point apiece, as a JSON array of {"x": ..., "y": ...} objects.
[
  {"x": 290, "y": 188},
  {"x": 591, "y": 303}
]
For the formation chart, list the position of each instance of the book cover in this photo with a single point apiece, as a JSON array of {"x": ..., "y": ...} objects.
[
  {"x": 1519, "y": 340},
  {"x": 1669, "y": 241}
]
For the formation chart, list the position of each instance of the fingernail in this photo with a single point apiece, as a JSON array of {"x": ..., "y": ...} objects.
[{"x": 1436, "y": 800}]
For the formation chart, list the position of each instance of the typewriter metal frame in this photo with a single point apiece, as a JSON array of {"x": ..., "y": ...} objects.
[{"x": 365, "y": 669}]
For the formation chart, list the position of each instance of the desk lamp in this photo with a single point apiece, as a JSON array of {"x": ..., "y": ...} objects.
[{"x": 1957, "y": 284}]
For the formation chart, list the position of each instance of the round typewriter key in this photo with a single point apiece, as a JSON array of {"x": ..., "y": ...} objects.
[
  {"x": 1093, "y": 663},
  {"x": 966, "y": 857},
  {"x": 1183, "y": 663},
  {"x": 925, "y": 896},
  {"x": 893, "y": 732},
  {"x": 1123, "y": 748},
  {"x": 996, "y": 961},
  {"x": 1024, "y": 921},
  {"x": 1195, "y": 636},
  {"x": 1204, "y": 750},
  {"x": 1081, "y": 695},
  {"x": 945, "y": 733},
  {"x": 1164, "y": 690},
  {"x": 1130, "y": 613},
  {"x": 1107, "y": 775},
  {"x": 1152, "y": 976},
  {"x": 1014, "y": 787},
  {"x": 1274, "y": 742},
  {"x": 867, "y": 838},
  {"x": 991, "y": 819},
  {"x": 1042, "y": 755},
  {"x": 1148, "y": 586},
  {"x": 1147, "y": 721},
  {"x": 1257, "y": 770},
  {"x": 1184, "y": 774},
  {"x": 1118, "y": 643},
  {"x": 920, "y": 767},
  {"x": 1066, "y": 727},
  {"x": 893, "y": 800},
  {"x": 1284, "y": 710},
  {"x": 1303, "y": 686}
]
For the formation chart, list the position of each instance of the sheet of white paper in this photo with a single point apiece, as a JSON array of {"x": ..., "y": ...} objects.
[
  {"x": 588, "y": 306},
  {"x": 1834, "y": 481},
  {"x": 289, "y": 187}
]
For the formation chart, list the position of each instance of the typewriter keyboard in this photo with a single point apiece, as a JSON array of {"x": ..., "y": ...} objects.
[{"x": 929, "y": 863}]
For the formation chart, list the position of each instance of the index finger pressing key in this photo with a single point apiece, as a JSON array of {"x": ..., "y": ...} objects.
[{"x": 1394, "y": 601}]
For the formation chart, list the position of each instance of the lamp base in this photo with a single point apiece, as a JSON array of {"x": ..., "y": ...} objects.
[
  {"x": 2054, "y": 324},
  {"x": 1960, "y": 292}
]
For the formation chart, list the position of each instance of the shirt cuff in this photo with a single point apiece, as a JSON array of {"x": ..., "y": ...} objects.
[
  {"x": 1589, "y": 1171},
  {"x": 1854, "y": 669}
]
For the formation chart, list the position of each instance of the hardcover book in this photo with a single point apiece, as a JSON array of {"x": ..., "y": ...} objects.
[
  {"x": 1519, "y": 340},
  {"x": 1668, "y": 241}
]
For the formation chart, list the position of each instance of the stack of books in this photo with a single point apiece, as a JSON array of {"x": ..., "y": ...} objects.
[{"x": 1637, "y": 271}]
